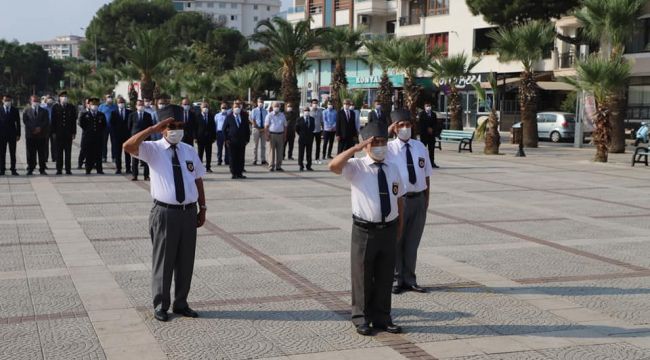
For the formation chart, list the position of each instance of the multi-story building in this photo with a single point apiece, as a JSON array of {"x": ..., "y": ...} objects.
[
  {"x": 242, "y": 15},
  {"x": 63, "y": 46},
  {"x": 450, "y": 25}
]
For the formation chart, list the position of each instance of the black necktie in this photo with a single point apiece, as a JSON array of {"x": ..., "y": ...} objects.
[
  {"x": 384, "y": 198},
  {"x": 185, "y": 117},
  {"x": 409, "y": 164},
  {"x": 178, "y": 177}
]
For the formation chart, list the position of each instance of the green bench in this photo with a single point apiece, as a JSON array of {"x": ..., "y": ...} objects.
[{"x": 464, "y": 139}]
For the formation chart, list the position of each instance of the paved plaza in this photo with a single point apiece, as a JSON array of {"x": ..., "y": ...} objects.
[{"x": 543, "y": 257}]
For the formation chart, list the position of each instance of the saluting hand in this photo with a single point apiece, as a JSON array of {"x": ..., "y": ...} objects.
[
  {"x": 363, "y": 144},
  {"x": 158, "y": 128}
]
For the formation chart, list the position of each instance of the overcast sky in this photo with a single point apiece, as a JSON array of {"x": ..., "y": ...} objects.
[{"x": 29, "y": 21}]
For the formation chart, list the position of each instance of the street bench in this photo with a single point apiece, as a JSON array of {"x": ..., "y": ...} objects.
[
  {"x": 464, "y": 139},
  {"x": 640, "y": 156}
]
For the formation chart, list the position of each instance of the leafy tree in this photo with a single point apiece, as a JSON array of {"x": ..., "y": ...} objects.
[
  {"x": 289, "y": 44},
  {"x": 513, "y": 12},
  {"x": 525, "y": 44},
  {"x": 489, "y": 129},
  {"x": 342, "y": 43},
  {"x": 382, "y": 54},
  {"x": 602, "y": 77},
  {"x": 189, "y": 27}
]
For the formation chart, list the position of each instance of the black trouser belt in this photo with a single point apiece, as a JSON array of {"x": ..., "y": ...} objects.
[
  {"x": 414, "y": 194},
  {"x": 175, "y": 207},
  {"x": 276, "y": 133},
  {"x": 372, "y": 225}
]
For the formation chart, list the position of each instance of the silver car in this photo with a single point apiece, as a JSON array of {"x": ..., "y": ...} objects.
[{"x": 556, "y": 126}]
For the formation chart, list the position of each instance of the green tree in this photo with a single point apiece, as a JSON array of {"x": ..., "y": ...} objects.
[
  {"x": 27, "y": 69},
  {"x": 604, "y": 78},
  {"x": 289, "y": 44},
  {"x": 512, "y": 12},
  {"x": 236, "y": 82},
  {"x": 189, "y": 27},
  {"x": 449, "y": 69},
  {"x": 150, "y": 50},
  {"x": 342, "y": 44},
  {"x": 383, "y": 53},
  {"x": 525, "y": 44},
  {"x": 489, "y": 129},
  {"x": 612, "y": 23}
]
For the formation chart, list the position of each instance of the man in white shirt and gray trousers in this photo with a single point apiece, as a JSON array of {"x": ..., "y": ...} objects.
[
  {"x": 412, "y": 159},
  {"x": 176, "y": 187}
]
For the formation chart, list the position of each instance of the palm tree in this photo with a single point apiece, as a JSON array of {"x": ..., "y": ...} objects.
[
  {"x": 603, "y": 78},
  {"x": 489, "y": 129},
  {"x": 612, "y": 23},
  {"x": 526, "y": 44},
  {"x": 150, "y": 50},
  {"x": 342, "y": 43},
  {"x": 289, "y": 44},
  {"x": 199, "y": 85},
  {"x": 449, "y": 69},
  {"x": 409, "y": 56},
  {"x": 382, "y": 53},
  {"x": 236, "y": 82}
]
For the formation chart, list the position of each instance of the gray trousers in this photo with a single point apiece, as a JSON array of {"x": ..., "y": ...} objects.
[
  {"x": 276, "y": 150},
  {"x": 415, "y": 215},
  {"x": 372, "y": 264},
  {"x": 173, "y": 234}
]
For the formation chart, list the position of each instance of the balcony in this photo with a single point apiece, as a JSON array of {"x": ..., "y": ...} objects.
[
  {"x": 566, "y": 60},
  {"x": 296, "y": 13},
  {"x": 375, "y": 7}
]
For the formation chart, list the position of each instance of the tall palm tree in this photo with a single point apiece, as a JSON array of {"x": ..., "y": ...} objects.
[
  {"x": 612, "y": 23},
  {"x": 604, "y": 78},
  {"x": 489, "y": 129},
  {"x": 289, "y": 44},
  {"x": 382, "y": 53},
  {"x": 342, "y": 44},
  {"x": 150, "y": 50},
  {"x": 236, "y": 82},
  {"x": 409, "y": 56},
  {"x": 449, "y": 69},
  {"x": 525, "y": 43},
  {"x": 199, "y": 85}
]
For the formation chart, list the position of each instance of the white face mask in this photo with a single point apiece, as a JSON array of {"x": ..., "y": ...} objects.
[
  {"x": 205, "y": 110},
  {"x": 427, "y": 108},
  {"x": 63, "y": 100},
  {"x": 140, "y": 107},
  {"x": 378, "y": 153},
  {"x": 223, "y": 111},
  {"x": 346, "y": 107},
  {"x": 260, "y": 105},
  {"x": 276, "y": 110},
  {"x": 236, "y": 111},
  {"x": 351, "y": 107},
  {"x": 378, "y": 107},
  {"x": 120, "y": 106},
  {"x": 93, "y": 107},
  {"x": 314, "y": 107},
  {"x": 330, "y": 107},
  {"x": 109, "y": 100},
  {"x": 174, "y": 136},
  {"x": 36, "y": 104},
  {"x": 404, "y": 133},
  {"x": 289, "y": 108},
  {"x": 305, "y": 114},
  {"x": 7, "y": 103},
  {"x": 147, "y": 103},
  {"x": 186, "y": 107},
  {"x": 161, "y": 106},
  {"x": 50, "y": 101}
]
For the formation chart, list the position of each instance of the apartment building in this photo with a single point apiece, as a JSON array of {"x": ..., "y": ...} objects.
[
  {"x": 63, "y": 47},
  {"x": 241, "y": 15}
]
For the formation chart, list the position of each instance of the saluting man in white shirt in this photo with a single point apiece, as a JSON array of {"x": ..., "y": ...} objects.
[
  {"x": 377, "y": 203},
  {"x": 412, "y": 159},
  {"x": 176, "y": 187}
]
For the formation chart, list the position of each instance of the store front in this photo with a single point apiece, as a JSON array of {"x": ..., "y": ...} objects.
[{"x": 472, "y": 106}]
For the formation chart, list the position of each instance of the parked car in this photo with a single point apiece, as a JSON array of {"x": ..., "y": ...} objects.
[
  {"x": 363, "y": 117},
  {"x": 556, "y": 126}
]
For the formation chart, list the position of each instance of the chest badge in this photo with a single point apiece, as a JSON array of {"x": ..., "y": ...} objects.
[
  {"x": 421, "y": 162},
  {"x": 395, "y": 188},
  {"x": 190, "y": 165}
]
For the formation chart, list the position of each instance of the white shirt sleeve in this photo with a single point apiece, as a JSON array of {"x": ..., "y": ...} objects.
[
  {"x": 146, "y": 151},
  {"x": 199, "y": 168},
  {"x": 267, "y": 120},
  {"x": 351, "y": 169},
  {"x": 428, "y": 169}
]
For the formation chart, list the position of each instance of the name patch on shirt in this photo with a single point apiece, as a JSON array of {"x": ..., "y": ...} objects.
[
  {"x": 190, "y": 165},
  {"x": 395, "y": 188},
  {"x": 421, "y": 162}
]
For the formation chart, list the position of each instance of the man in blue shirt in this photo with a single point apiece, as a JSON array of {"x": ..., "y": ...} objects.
[
  {"x": 151, "y": 110},
  {"x": 107, "y": 108},
  {"x": 329, "y": 131},
  {"x": 257, "y": 118},
  {"x": 47, "y": 103},
  {"x": 219, "y": 121}
]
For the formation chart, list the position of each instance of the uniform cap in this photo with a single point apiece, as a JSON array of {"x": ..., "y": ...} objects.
[
  {"x": 376, "y": 129},
  {"x": 400, "y": 115}
]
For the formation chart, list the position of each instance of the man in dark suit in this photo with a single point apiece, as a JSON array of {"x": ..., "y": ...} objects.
[
  {"x": 305, "y": 129},
  {"x": 93, "y": 124},
  {"x": 378, "y": 114},
  {"x": 119, "y": 132},
  {"x": 430, "y": 129},
  {"x": 64, "y": 130},
  {"x": 139, "y": 120},
  {"x": 9, "y": 134},
  {"x": 238, "y": 134},
  {"x": 206, "y": 134},
  {"x": 346, "y": 127},
  {"x": 36, "y": 121},
  {"x": 189, "y": 119}
]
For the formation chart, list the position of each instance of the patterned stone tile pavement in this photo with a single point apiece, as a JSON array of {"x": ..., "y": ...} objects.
[{"x": 544, "y": 257}]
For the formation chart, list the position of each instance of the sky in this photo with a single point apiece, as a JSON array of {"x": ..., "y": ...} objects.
[{"x": 38, "y": 20}]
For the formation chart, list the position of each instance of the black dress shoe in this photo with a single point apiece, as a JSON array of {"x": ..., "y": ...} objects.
[
  {"x": 14, "y": 173},
  {"x": 187, "y": 312},
  {"x": 134, "y": 179},
  {"x": 364, "y": 329},
  {"x": 390, "y": 328},
  {"x": 279, "y": 169},
  {"x": 2, "y": 173},
  {"x": 30, "y": 172},
  {"x": 264, "y": 163},
  {"x": 101, "y": 172},
  {"x": 68, "y": 172},
  {"x": 59, "y": 172},
  {"x": 435, "y": 166},
  {"x": 397, "y": 290},
  {"x": 42, "y": 172},
  {"x": 416, "y": 288},
  {"x": 302, "y": 169},
  {"x": 242, "y": 177},
  {"x": 234, "y": 177},
  {"x": 146, "y": 178},
  {"x": 208, "y": 170},
  {"x": 161, "y": 315},
  {"x": 128, "y": 172},
  {"x": 254, "y": 162},
  {"x": 310, "y": 169},
  {"x": 117, "y": 172}
]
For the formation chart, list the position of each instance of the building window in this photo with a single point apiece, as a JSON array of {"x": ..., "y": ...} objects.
[
  {"x": 482, "y": 42},
  {"x": 189, "y": 5},
  {"x": 233, "y": 17},
  {"x": 210, "y": 5},
  {"x": 222, "y": 5},
  {"x": 268, "y": 8},
  {"x": 233, "y": 6},
  {"x": 440, "y": 40},
  {"x": 255, "y": 7},
  {"x": 438, "y": 7},
  {"x": 638, "y": 101},
  {"x": 255, "y": 18},
  {"x": 199, "y": 4},
  {"x": 640, "y": 40}
]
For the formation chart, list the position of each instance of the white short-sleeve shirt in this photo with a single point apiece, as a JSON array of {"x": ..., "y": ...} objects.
[
  {"x": 158, "y": 154},
  {"x": 275, "y": 122},
  {"x": 421, "y": 162},
  {"x": 363, "y": 177}
]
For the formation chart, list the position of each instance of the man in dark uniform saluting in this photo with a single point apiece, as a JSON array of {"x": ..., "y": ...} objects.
[
  {"x": 377, "y": 204},
  {"x": 176, "y": 187}
]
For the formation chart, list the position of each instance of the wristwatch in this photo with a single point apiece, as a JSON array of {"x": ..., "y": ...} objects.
[{"x": 203, "y": 207}]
